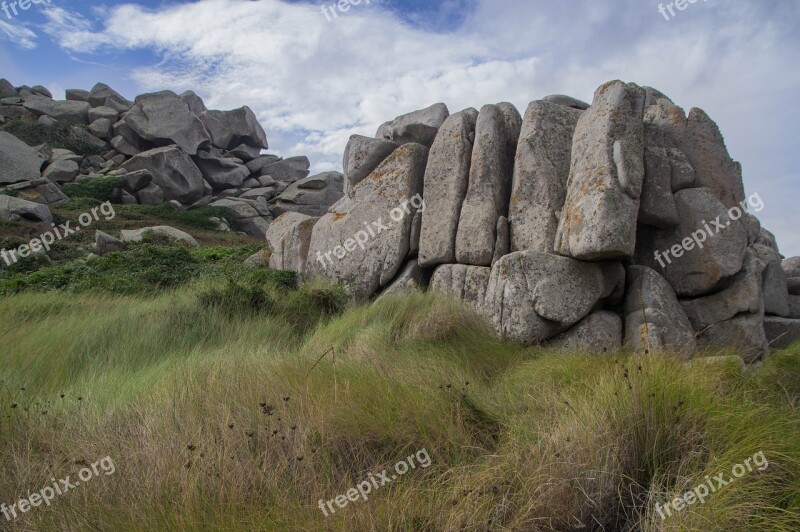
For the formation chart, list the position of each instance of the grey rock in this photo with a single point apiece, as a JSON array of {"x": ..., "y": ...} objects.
[
  {"x": 66, "y": 111},
  {"x": 47, "y": 121},
  {"x": 534, "y": 296},
  {"x": 446, "y": 180},
  {"x": 41, "y": 90},
  {"x": 245, "y": 216},
  {"x": 173, "y": 171},
  {"x": 14, "y": 112},
  {"x": 221, "y": 173},
  {"x": 150, "y": 195},
  {"x": 289, "y": 170},
  {"x": 77, "y": 95},
  {"x": 793, "y": 286},
  {"x": 106, "y": 243},
  {"x": 193, "y": 102},
  {"x": 163, "y": 118},
  {"x": 743, "y": 334},
  {"x": 599, "y": 332},
  {"x": 230, "y": 128},
  {"x": 409, "y": 280},
  {"x": 18, "y": 161},
  {"x": 781, "y": 332},
  {"x": 794, "y": 307},
  {"x": 541, "y": 172},
  {"x": 103, "y": 95},
  {"x": 257, "y": 259},
  {"x": 792, "y": 267},
  {"x": 108, "y": 113},
  {"x": 466, "y": 283},
  {"x": 137, "y": 180},
  {"x": 16, "y": 209},
  {"x": 313, "y": 195},
  {"x": 566, "y": 101},
  {"x": 244, "y": 152},
  {"x": 705, "y": 148},
  {"x": 605, "y": 184},
  {"x": 7, "y": 89},
  {"x": 362, "y": 156},
  {"x": 124, "y": 147},
  {"x": 378, "y": 198},
  {"x": 256, "y": 165},
  {"x": 502, "y": 244},
  {"x": 419, "y": 126},
  {"x": 774, "y": 286},
  {"x": 267, "y": 192},
  {"x": 691, "y": 270},
  {"x": 62, "y": 171},
  {"x": 488, "y": 189},
  {"x": 651, "y": 301},
  {"x": 136, "y": 235},
  {"x": 101, "y": 128},
  {"x": 288, "y": 238}
]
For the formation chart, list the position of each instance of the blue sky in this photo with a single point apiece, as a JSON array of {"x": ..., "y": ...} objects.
[{"x": 313, "y": 82}]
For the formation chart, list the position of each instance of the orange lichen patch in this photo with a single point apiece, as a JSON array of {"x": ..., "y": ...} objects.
[{"x": 338, "y": 216}]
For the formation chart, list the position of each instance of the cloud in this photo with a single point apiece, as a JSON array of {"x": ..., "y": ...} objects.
[
  {"x": 19, "y": 35},
  {"x": 313, "y": 83}
]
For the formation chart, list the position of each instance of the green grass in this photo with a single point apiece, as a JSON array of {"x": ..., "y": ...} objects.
[
  {"x": 230, "y": 420},
  {"x": 56, "y": 136}
]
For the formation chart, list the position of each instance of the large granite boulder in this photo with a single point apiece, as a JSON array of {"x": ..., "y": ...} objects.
[
  {"x": 488, "y": 189},
  {"x": 781, "y": 332},
  {"x": 541, "y": 172},
  {"x": 165, "y": 231},
  {"x": 707, "y": 246},
  {"x": 363, "y": 155},
  {"x": 230, "y": 128},
  {"x": 288, "y": 238},
  {"x": 221, "y": 173},
  {"x": 102, "y": 95},
  {"x": 599, "y": 332},
  {"x": 466, "y": 283},
  {"x": 65, "y": 111},
  {"x": 599, "y": 217},
  {"x": 651, "y": 305},
  {"x": 533, "y": 296},
  {"x": 446, "y": 180},
  {"x": 775, "y": 285},
  {"x": 287, "y": 170},
  {"x": 364, "y": 240},
  {"x": 173, "y": 171},
  {"x": 419, "y": 126},
  {"x": 163, "y": 118},
  {"x": 16, "y": 210},
  {"x": 18, "y": 161},
  {"x": 791, "y": 266},
  {"x": 312, "y": 196}
]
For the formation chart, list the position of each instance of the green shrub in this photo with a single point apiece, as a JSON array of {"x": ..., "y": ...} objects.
[
  {"x": 238, "y": 299},
  {"x": 199, "y": 218},
  {"x": 99, "y": 188},
  {"x": 55, "y": 136}
]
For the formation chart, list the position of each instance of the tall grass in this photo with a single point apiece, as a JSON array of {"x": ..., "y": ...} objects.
[{"x": 221, "y": 420}]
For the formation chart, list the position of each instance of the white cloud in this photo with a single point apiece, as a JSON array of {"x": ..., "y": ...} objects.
[
  {"x": 17, "y": 34},
  {"x": 314, "y": 82}
]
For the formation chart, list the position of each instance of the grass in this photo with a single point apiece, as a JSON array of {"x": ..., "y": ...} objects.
[{"x": 223, "y": 416}]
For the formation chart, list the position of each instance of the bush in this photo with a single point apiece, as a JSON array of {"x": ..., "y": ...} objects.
[
  {"x": 55, "y": 136},
  {"x": 237, "y": 299},
  {"x": 99, "y": 188}
]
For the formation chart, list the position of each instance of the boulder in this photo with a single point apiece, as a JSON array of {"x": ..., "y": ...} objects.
[
  {"x": 103, "y": 95},
  {"x": 289, "y": 170},
  {"x": 47, "y": 121},
  {"x": 363, "y": 155},
  {"x": 230, "y": 128},
  {"x": 791, "y": 266},
  {"x": 312, "y": 196},
  {"x": 446, "y": 180},
  {"x": 163, "y": 118},
  {"x": 417, "y": 127},
  {"x": 541, "y": 172},
  {"x": 695, "y": 266},
  {"x": 774, "y": 286},
  {"x": 137, "y": 180},
  {"x": 743, "y": 334},
  {"x": 257, "y": 259},
  {"x": 488, "y": 189},
  {"x": 77, "y": 95},
  {"x": 7, "y": 90},
  {"x": 150, "y": 194},
  {"x": 652, "y": 306},
  {"x": 173, "y": 171},
  {"x": 466, "y": 283},
  {"x": 598, "y": 221},
  {"x": 62, "y": 171},
  {"x": 599, "y": 332},
  {"x": 533, "y": 296},
  {"x": 245, "y": 216},
  {"x": 714, "y": 169},
  {"x": 288, "y": 238},
  {"x": 41, "y": 90},
  {"x": 101, "y": 128},
  {"x": 18, "y": 161},
  {"x": 244, "y": 152},
  {"x": 39, "y": 191},
  {"x": 96, "y": 113},
  {"x": 221, "y": 173},
  {"x": 137, "y": 235},
  {"x": 781, "y": 332},
  {"x": 793, "y": 285},
  {"x": 566, "y": 101},
  {"x": 409, "y": 280},
  {"x": 106, "y": 243},
  {"x": 16, "y": 210},
  {"x": 65, "y": 111},
  {"x": 257, "y": 165},
  {"x": 743, "y": 296},
  {"x": 372, "y": 229}
]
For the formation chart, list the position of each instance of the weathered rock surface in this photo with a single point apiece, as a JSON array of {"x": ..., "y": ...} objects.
[
  {"x": 791, "y": 266},
  {"x": 230, "y": 128},
  {"x": 446, "y": 180},
  {"x": 312, "y": 196},
  {"x": 605, "y": 184},
  {"x": 66, "y": 111},
  {"x": 288, "y": 238},
  {"x": 18, "y": 161},
  {"x": 16, "y": 209},
  {"x": 363, "y": 155},
  {"x": 137, "y": 235},
  {"x": 173, "y": 171},
  {"x": 106, "y": 243},
  {"x": 781, "y": 332},
  {"x": 466, "y": 283},
  {"x": 419, "y": 126},
  {"x": 599, "y": 332},
  {"x": 163, "y": 118},
  {"x": 376, "y": 217},
  {"x": 541, "y": 172}
]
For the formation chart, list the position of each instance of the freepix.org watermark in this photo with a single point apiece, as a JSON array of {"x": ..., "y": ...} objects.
[
  {"x": 712, "y": 485},
  {"x": 57, "y": 488},
  {"x": 24, "y": 5},
  {"x": 370, "y": 231},
  {"x": 668, "y": 11},
  {"x": 342, "y": 5},
  {"x": 365, "y": 487},
  {"x": 59, "y": 232},
  {"x": 709, "y": 230}
]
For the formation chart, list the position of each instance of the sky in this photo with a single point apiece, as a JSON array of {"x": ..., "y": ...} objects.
[{"x": 314, "y": 77}]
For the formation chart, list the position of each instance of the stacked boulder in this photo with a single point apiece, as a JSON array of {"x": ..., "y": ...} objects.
[
  {"x": 165, "y": 147},
  {"x": 575, "y": 225}
]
